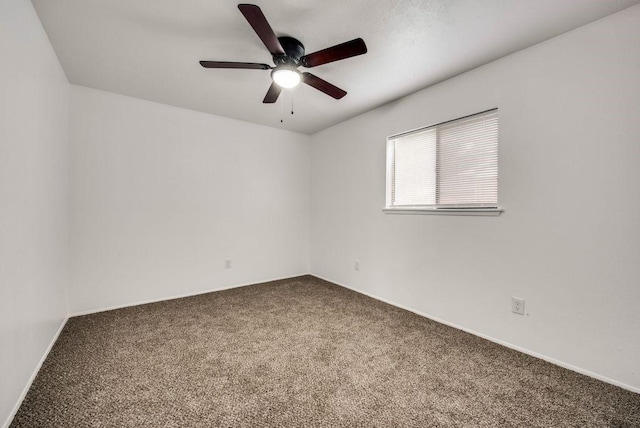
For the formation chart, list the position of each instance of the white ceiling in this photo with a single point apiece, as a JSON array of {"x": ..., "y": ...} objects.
[{"x": 150, "y": 49}]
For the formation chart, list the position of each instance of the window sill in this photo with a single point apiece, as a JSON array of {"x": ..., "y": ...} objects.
[{"x": 493, "y": 212}]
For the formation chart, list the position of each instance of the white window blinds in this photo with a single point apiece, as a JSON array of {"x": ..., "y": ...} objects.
[{"x": 451, "y": 165}]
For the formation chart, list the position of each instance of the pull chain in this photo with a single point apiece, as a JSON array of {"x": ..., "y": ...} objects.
[
  {"x": 282, "y": 101},
  {"x": 282, "y": 109}
]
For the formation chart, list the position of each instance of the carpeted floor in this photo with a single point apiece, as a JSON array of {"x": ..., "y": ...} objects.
[{"x": 301, "y": 352}]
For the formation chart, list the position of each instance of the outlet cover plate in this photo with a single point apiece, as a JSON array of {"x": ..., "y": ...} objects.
[{"x": 517, "y": 305}]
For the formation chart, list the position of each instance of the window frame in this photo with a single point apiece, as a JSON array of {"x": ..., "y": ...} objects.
[{"x": 430, "y": 209}]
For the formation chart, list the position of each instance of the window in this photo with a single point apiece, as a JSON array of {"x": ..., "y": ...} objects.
[{"x": 450, "y": 167}]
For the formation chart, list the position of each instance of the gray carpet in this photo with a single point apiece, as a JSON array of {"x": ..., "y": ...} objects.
[{"x": 301, "y": 352}]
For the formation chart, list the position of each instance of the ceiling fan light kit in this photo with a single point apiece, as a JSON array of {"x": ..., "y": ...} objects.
[
  {"x": 288, "y": 54},
  {"x": 286, "y": 77}
]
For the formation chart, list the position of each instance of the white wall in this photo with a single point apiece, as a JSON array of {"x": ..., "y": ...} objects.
[
  {"x": 34, "y": 95},
  {"x": 161, "y": 196},
  {"x": 569, "y": 241}
]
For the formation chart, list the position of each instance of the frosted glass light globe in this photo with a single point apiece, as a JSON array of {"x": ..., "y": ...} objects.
[{"x": 286, "y": 77}]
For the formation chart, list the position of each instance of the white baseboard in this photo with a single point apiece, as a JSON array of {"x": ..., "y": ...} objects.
[
  {"x": 180, "y": 296},
  {"x": 492, "y": 339},
  {"x": 34, "y": 374}
]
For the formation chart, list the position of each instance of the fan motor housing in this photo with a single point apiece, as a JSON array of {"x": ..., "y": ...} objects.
[{"x": 294, "y": 50}]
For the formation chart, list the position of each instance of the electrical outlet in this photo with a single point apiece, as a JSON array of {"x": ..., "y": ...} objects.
[
  {"x": 227, "y": 264},
  {"x": 517, "y": 305},
  {"x": 356, "y": 265}
]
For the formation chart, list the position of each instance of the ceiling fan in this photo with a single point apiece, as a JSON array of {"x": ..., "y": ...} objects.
[{"x": 288, "y": 54}]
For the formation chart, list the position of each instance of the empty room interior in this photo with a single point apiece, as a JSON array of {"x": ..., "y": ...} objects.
[{"x": 365, "y": 213}]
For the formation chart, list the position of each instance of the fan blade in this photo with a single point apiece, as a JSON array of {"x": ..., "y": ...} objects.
[
  {"x": 323, "y": 85},
  {"x": 344, "y": 50},
  {"x": 229, "y": 64},
  {"x": 272, "y": 94},
  {"x": 259, "y": 23}
]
